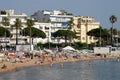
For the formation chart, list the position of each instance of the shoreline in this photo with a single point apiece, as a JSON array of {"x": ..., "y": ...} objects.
[{"x": 17, "y": 66}]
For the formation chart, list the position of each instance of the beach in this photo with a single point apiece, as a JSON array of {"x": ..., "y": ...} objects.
[
  {"x": 101, "y": 69},
  {"x": 28, "y": 62}
]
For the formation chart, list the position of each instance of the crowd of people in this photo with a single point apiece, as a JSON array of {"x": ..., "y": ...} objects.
[{"x": 24, "y": 59}]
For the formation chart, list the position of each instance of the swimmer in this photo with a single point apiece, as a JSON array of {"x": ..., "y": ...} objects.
[
  {"x": 61, "y": 66},
  {"x": 89, "y": 62},
  {"x": 51, "y": 64}
]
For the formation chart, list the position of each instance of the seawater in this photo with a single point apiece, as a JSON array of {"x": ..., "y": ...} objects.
[{"x": 81, "y": 70}]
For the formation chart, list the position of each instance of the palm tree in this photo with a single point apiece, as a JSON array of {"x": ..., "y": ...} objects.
[
  {"x": 113, "y": 19},
  {"x": 70, "y": 24},
  {"x": 70, "y": 27},
  {"x": 71, "y": 35},
  {"x": 2, "y": 30},
  {"x": 5, "y": 22},
  {"x": 17, "y": 24},
  {"x": 30, "y": 23}
]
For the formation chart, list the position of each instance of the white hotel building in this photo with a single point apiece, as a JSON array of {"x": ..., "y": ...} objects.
[
  {"x": 58, "y": 20},
  {"x": 11, "y": 15}
]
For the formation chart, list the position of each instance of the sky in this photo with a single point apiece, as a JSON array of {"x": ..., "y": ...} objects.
[{"x": 101, "y": 10}]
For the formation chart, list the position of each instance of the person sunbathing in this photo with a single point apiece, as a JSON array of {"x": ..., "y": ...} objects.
[{"x": 3, "y": 66}]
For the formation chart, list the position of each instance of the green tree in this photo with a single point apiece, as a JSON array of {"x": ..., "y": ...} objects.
[
  {"x": 114, "y": 31},
  {"x": 2, "y": 30},
  {"x": 71, "y": 35},
  {"x": 35, "y": 33},
  {"x": 5, "y": 22},
  {"x": 70, "y": 24},
  {"x": 113, "y": 19},
  {"x": 17, "y": 24},
  {"x": 66, "y": 34},
  {"x": 3, "y": 12},
  {"x": 2, "y": 34},
  {"x": 99, "y": 33},
  {"x": 30, "y": 23}
]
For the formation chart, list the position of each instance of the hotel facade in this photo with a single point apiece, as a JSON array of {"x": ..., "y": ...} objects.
[
  {"x": 55, "y": 20},
  {"x": 11, "y": 15},
  {"x": 82, "y": 25}
]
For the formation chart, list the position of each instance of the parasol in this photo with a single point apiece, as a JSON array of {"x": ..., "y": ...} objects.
[{"x": 11, "y": 54}]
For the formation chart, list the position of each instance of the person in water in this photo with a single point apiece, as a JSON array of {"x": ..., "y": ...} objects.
[{"x": 61, "y": 66}]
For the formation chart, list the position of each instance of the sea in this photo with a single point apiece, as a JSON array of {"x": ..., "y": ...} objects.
[{"x": 81, "y": 70}]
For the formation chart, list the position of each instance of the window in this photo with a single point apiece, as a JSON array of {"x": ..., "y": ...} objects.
[
  {"x": 90, "y": 37},
  {"x": 95, "y": 38},
  {"x": 113, "y": 49},
  {"x": 83, "y": 38},
  {"x": 40, "y": 27}
]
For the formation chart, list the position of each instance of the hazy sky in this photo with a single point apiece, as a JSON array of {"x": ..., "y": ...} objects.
[{"x": 101, "y": 10}]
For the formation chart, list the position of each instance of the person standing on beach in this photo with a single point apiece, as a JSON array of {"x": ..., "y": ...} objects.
[
  {"x": 3, "y": 66},
  {"x": 31, "y": 55}
]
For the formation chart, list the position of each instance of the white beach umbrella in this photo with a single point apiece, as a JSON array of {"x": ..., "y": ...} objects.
[
  {"x": 48, "y": 51},
  {"x": 1, "y": 55},
  {"x": 69, "y": 48}
]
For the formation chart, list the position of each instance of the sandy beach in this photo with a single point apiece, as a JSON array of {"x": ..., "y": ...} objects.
[{"x": 11, "y": 66}]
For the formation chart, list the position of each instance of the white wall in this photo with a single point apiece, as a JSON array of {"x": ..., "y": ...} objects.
[{"x": 101, "y": 50}]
